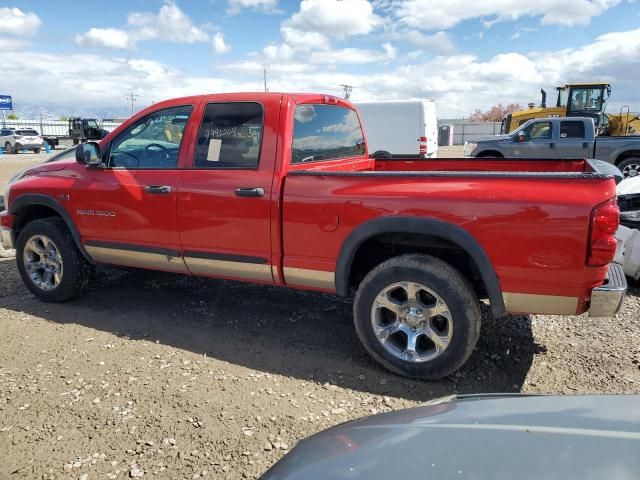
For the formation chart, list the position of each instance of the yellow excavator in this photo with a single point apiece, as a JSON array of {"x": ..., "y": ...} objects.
[{"x": 579, "y": 100}]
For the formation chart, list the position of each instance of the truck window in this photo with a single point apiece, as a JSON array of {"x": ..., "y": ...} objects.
[
  {"x": 572, "y": 129},
  {"x": 325, "y": 132},
  {"x": 230, "y": 136},
  {"x": 151, "y": 142},
  {"x": 538, "y": 130}
]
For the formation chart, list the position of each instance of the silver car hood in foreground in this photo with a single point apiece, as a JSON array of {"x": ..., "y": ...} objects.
[
  {"x": 493, "y": 437},
  {"x": 490, "y": 138}
]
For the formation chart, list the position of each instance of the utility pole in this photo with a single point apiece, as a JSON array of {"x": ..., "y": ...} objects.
[
  {"x": 133, "y": 97},
  {"x": 264, "y": 71},
  {"x": 347, "y": 91}
]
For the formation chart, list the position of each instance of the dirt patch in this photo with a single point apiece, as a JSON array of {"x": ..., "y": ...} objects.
[{"x": 178, "y": 377}]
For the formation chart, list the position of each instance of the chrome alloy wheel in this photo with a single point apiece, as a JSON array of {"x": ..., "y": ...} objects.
[
  {"x": 412, "y": 322},
  {"x": 631, "y": 170},
  {"x": 43, "y": 262}
]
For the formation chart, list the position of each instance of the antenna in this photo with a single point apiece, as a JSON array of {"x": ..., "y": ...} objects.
[
  {"x": 264, "y": 71},
  {"x": 347, "y": 91},
  {"x": 132, "y": 98}
]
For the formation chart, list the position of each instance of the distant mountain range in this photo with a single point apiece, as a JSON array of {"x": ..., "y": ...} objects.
[{"x": 55, "y": 112}]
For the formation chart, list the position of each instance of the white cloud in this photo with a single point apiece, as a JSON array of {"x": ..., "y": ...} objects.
[
  {"x": 219, "y": 45},
  {"x": 438, "y": 43},
  {"x": 443, "y": 14},
  {"x": 12, "y": 44},
  {"x": 335, "y": 18},
  {"x": 105, "y": 38},
  {"x": 14, "y": 21},
  {"x": 170, "y": 24},
  {"x": 458, "y": 83},
  {"x": 304, "y": 40},
  {"x": 353, "y": 56},
  {"x": 266, "y": 6}
]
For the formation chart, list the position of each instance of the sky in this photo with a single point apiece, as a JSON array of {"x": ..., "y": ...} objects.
[{"x": 66, "y": 56}]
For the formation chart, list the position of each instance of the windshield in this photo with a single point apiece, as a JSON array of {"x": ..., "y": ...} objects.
[
  {"x": 29, "y": 133},
  {"x": 587, "y": 99},
  {"x": 92, "y": 124}
]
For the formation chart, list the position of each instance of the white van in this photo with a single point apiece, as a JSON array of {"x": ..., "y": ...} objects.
[{"x": 406, "y": 128}]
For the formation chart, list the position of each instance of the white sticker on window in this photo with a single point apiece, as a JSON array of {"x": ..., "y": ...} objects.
[{"x": 213, "y": 155}]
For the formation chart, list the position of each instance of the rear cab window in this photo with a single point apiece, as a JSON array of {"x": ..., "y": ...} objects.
[
  {"x": 325, "y": 132},
  {"x": 230, "y": 136},
  {"x": 572, "y": 129}
]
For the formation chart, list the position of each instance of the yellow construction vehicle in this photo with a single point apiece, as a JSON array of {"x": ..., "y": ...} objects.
[{"x": 579, "y": 100}]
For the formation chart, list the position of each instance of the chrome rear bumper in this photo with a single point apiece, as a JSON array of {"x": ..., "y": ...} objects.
[{"x": 607, "y": 300}]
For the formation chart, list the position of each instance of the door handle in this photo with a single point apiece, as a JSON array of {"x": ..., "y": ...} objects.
[
  {"x": 158, "y": 189},
  {"x": 552, "y": 145},
  {"x": 250, "y": 192}
]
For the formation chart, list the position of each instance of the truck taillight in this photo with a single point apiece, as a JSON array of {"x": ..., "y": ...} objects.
[
  {"x": 602, "y": 241},
  {"x": 423, "y": 146}
]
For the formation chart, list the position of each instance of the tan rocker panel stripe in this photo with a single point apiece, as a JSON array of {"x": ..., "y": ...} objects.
[
  {"x": 549, "y": 304},
  {"x": 205, "y": 263},
  {"x": 310, "y": 278}
]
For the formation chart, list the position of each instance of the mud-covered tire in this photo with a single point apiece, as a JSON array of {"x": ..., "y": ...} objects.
[
  {"x": 630, "y": 167},
  {"x": 76, "y": 271},
  {"x": 443, "y": 281}
]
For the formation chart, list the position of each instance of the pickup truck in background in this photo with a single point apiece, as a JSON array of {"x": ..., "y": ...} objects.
[
  {"x": 560, "y": 137},
  {"x": 279, "y": 189}
]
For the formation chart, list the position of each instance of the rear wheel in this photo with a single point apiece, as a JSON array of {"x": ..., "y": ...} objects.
[
  {"x": 630, "y": 167},
  {"x": 50, "y": 264},
  {"x": 36, "y": 150},
  {"x": 417, "y": 316}
]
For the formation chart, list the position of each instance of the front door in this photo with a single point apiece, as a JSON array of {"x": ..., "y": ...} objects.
[
  {"x": 539, "y": 142},
  {"x": 126, "y": 212},
  {"x": 225, "y": 198}
]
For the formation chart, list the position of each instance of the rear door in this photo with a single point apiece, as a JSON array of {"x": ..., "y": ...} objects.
[
  {"x": 539, "y": 141},
  {"x": 224, "y": 199},
  {"x": 573, "y": 141}
]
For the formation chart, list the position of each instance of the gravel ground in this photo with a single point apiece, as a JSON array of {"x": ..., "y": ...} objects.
[{"x": 164, "y": 376}]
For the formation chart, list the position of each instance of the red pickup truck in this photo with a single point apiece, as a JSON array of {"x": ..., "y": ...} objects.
[{"x": 279, "y": 189}]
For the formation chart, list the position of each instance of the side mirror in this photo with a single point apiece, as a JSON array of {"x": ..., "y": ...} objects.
[
  {"x": 521, "y": 137},
  {"x": 88, "y": 154}
]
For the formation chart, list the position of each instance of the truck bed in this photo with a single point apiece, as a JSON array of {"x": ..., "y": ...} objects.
[
  {"x": 558, "y": 168},
  {"x": 531, "y": 217}
]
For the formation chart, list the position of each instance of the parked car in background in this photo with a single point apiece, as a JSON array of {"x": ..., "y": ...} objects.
[
  {"x": 401, "y": 129},
  {"x": 279, "y": 189},
  {"x": 479, "y": 437},
  {"x": 559, "y": 137},
  {"x": 14, "y": 140}
]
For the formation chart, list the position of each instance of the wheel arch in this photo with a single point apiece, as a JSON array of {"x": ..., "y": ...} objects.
[
  {"x": 626, "y": 154},
  {"x": 427, "y": 227},
  {"x": 491, "y": 153},
  {"x": 29, "y": 207}
]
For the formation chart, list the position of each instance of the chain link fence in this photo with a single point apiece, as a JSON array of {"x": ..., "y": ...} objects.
[{"x": 463, "y": 130}]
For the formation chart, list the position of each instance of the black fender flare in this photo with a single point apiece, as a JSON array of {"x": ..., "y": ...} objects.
[
  {"x": 425, "y": 226},
  {"x": 29, "y": 199}
]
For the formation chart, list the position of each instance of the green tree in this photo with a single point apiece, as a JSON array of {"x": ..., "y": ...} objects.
[
  {"x": 12, "y": 116},
  {"x": 63, "y": 118}
]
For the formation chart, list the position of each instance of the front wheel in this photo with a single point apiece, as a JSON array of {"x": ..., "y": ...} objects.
[
  {"x": 36, "y": 150},
  {"x": 630, "y": 167},
  {"x": 417, "y": 316},
  {"x": 7, "y": 148},
  {"x": 49, "y": 262}
]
